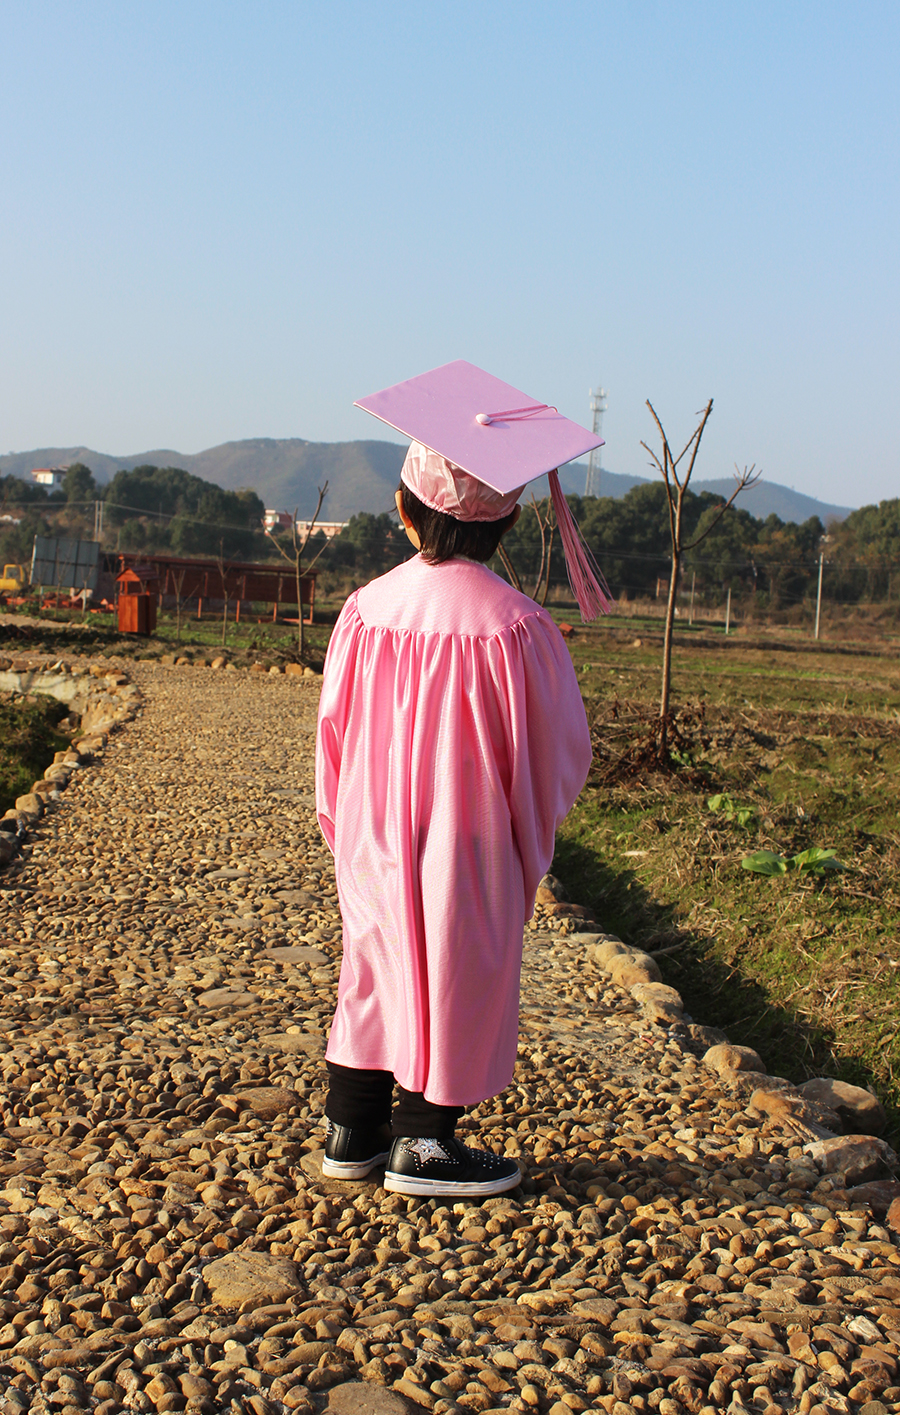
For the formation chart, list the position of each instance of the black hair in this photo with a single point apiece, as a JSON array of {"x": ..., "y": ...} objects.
[{"x": 441, "y": 537}]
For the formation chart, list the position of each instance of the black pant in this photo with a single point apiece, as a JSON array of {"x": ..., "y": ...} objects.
[{"x": 362, "y": 1100}]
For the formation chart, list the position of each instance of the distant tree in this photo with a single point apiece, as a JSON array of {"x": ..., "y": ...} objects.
[
  {"x": 79, "y": 484},
  {"x": 14, "y": 492},
  {"x": 787, "y": 556},
  {"x": 369, "y": 545},
  {"x": 863, "y": 552},
  {"x": 185, "y": 513}
]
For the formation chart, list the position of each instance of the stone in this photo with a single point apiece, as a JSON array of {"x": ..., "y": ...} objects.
[
  {"x": 219, "y": 661},
  {"x": 858, "y": 1157},
  {"x": 30, "y": 805},
  {"x": 268, "y": 1102},
  {"x": 861, "y": 1112},
  {"x": 879, "y": 1194},
  {"x": 780, "y": 1102},
  {"x": 248, "y": 1277},
  {"x": 227, "y": 997},
  {"x": 296, "y": 953},
  {"x": 628, "y": 970},
  {"x": 727, "y": 1057},
  {"x": 603, "y": 948},
  {"x": 363, "y": 1398},
  {"x": 294, "y": 670},
  {"x": 659, "y": 1003}
]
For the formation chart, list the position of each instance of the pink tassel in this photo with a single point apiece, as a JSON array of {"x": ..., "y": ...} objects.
[{"x": 585, "y": 576}]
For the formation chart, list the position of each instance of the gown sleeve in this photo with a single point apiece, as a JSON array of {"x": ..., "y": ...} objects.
[
  {"x": 549, "y": 740},
  {"x": 334, "y": 711}
]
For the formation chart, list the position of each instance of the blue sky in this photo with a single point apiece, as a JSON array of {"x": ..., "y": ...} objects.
[{"x": 227, "y": 220}]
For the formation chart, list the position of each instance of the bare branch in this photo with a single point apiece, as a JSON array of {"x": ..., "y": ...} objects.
[
  {"x": 323, "y": 492},
  {"x": 543, "y": 530},
  {"x": 279, "y": 547},
  {"x": 704, "y": 419},
  {"x": 748, "y": 477},
  {"x": 543, "y": 599},
  {"x": 509, "y": 568}
]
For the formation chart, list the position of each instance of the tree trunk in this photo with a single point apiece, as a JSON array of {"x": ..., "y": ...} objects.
[
  {"x": 299, "y": 610},
  {"x": 667, "y": 656}
]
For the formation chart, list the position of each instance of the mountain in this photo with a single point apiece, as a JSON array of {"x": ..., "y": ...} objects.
[
  {"x": 762, "y": 500},
  {"x": 362, "y": 476}
]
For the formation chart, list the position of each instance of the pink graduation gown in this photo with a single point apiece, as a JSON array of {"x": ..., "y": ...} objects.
[{"x": 452, "y": 740}]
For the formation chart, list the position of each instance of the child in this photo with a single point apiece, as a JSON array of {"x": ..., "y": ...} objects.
[{"x": 452, "y": 741}]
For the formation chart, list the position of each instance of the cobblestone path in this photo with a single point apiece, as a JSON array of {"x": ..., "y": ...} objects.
[{"x": 170, "y": 942}]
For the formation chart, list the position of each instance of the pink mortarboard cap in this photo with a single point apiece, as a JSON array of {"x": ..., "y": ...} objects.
[{"x": 477, "y": 443}]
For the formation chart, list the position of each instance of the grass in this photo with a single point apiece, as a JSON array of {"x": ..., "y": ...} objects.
[
  {"x": 28, "y": 740},
  {"x": 804, "y": 969}
]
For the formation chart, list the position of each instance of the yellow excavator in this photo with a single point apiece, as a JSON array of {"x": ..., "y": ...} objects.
[{"x": 14, "y": 579}]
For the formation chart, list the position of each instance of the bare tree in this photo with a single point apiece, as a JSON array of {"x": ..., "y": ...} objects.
[
  {"x": 676, "y": 488},
  {"x": 294, "y": 557},
  {"x": 178, "y": 582},
  {"x": 547, "y": 526},
  {"x": 223, "y": 576}
]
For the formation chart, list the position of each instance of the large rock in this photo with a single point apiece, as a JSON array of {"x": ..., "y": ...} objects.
[
  {"x": 250, "y": 1278},
  {"x": 30, "y": 805},
  {"x": 296, "y": 953},
  {"x": 858, "y": 1157},
  {"x": 363, "y": 1398},
  {"x": 728, "y": 1057},
  {"x": 861, "y": 1113},
  {"x": 632, "y": 968},
  {"x": 603, "y": 948},
  {"x": 268, "y": 1102},
  {"x": 227, "y": 997},
  {"x": 782, "y": 1104},
  {"x": 880, "y": 1195},
  {"x": 659, "y": 1003}
]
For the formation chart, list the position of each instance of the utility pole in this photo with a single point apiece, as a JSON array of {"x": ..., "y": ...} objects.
[
  {"x": 819, "y": 594},
  {"x": 98, "y": 520},
  {"x": 598, "y": 408}
]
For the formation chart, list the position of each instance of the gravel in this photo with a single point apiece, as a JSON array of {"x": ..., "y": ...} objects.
[{"x": 171, "y": 938}]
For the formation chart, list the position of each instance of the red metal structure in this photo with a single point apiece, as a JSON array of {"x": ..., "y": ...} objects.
[{"x": 201, "y": 583}]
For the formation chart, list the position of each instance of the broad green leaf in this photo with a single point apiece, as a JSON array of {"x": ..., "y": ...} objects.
[
  {"x": 715, "y": 803},
  {"x": 765, "y": 862},
  {"x": 815, "y": 860}
]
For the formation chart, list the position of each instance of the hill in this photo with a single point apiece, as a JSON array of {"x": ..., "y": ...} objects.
[{"x": 362, "y": 476}]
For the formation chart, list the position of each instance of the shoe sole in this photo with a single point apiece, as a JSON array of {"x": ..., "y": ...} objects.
[
  {"x": 409, "y": 1184},
  {"x": 344, "y": 1169}
]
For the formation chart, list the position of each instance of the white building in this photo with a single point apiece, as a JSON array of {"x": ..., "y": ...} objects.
[
  {"x": 275, "y": 521},
  {"x": 49, "y": 476}
]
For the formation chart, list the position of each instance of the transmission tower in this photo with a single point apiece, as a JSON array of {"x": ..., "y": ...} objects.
[{"x": 598, "y": 408}]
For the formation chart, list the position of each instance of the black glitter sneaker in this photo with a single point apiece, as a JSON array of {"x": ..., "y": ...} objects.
[
  {"x": 352, "y": 1154},
  {"x": 447, "y": 1167}
]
